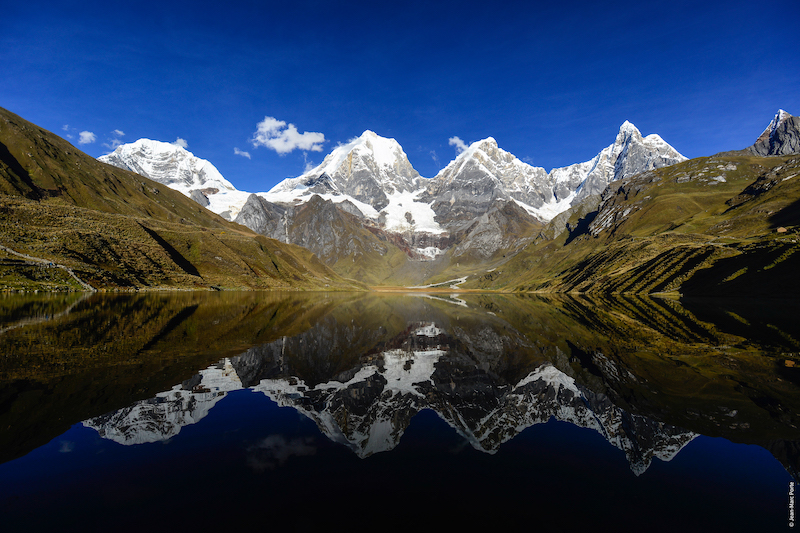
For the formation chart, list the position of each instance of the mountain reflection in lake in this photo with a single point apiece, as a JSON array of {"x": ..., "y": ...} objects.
[{"x": 373, "y": 410}]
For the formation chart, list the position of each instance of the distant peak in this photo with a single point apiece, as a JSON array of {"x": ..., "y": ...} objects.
[
  {"x": 487, "y": 142},
  {"x": 627, "y": 133},
  {"x": 628, "y": 127}
]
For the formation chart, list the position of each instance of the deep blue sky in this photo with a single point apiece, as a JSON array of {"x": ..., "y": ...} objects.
[{"x": 551, "y": 81}]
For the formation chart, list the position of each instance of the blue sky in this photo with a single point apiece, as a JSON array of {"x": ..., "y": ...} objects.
[{"x": 551, "y": 81}]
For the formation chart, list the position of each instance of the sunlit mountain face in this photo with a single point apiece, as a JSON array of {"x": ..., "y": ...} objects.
[{"x": 450, "y": 403}]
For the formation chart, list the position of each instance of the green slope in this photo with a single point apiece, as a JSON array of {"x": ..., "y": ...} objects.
[
  {"x": 720, "y": 225},
  {"x": 116, "y": 229}
]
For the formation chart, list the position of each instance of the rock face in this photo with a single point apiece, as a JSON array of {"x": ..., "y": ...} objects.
[
  {"x": 503, "y": 226},
  {"x": 782, "y": 136},
  {"x": 482, "y": 174}
]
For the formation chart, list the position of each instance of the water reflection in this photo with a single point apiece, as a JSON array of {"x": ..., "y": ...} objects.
[
  {"x": 647, "y": 376},
  {"x": 367, "y": 408}
]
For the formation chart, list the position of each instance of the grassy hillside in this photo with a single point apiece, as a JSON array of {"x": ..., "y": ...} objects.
[
  {"x": 720, "y": 225},
  {"x": 115, "y": 229}
]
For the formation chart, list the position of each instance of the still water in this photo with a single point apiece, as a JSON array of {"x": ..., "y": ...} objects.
[{"x": 397, "y": 411}]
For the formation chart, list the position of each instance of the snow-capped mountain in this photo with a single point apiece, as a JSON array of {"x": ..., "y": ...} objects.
[
  {"x": 373, "y": 174},
  {"x": 394, "y": 210},
  {"x": 181, "y": 170},
  {"x": 480, "y": 175},
  {"x": 369, "y": 168}
]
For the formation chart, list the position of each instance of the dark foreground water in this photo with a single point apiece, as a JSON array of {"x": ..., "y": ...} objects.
[{"x": 287, "y": 411}]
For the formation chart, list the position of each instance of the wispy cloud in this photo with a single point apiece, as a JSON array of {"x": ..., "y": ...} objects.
[
  {"x": 241, "y": 153},
  {"x": 435, "y": 157},
  {"x": 307, "y": 163},
  {"x": 86, "y": 137},
  {"x": 114, "y": 140},
  {"x": 181, "y": 142},
  {"x": 65, "y": 127},
  {"x": 458, "y": 143},
  {"x": 277, "y": 135}
]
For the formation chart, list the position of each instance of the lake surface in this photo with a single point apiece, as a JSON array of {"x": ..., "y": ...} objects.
[{"x": 298, "y": 411}]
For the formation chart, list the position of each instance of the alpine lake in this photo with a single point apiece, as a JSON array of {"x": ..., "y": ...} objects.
[{"x": 295, "y": 411}]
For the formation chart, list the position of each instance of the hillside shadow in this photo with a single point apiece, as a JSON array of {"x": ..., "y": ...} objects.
[
  {"x": 581, "y": 228},
  {"x": 788, "y": 216},
  {"x": 27, "y": 187},
  {"x": 174, "y": 254}
]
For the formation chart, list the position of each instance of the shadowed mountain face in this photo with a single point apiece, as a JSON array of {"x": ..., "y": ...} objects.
[{"x": 646, "y": 375}]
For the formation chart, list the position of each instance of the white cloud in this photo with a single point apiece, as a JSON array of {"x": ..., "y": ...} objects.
[
  {"x": 65, "y": 127},
  {"x": 241, "y": 153},
  {"x": 276, "y": 135},
  {"x": 181, "y": 142},
  {"x": 118, "y": 133},
  {"x": 86, "y": 137},
  {"x": 458, "y": 143}
]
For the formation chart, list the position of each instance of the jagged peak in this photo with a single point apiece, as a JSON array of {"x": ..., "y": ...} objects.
[
  {"x": 482, "y": 145},
  {"x": 627, "y": 131},
  {"x": 488, "y": 141},
  {"x": 780, "y": 117}
]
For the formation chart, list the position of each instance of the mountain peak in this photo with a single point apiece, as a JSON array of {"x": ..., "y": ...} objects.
[
  {"x": 628, "y": 131},
  {"x": 781, "y": 137},
  {"x": 780, "y": 117}
]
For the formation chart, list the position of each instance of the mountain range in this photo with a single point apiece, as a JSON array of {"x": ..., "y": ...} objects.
[
  {"x": 385, "y": 217},
  {"x": 638, "y": 217}
]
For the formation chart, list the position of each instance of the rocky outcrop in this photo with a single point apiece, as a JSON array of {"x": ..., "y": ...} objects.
[
  {"x": 504, "y": 226},
  {"x": 264, "y": 217},
  {"x": 782, "y": 136}
]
